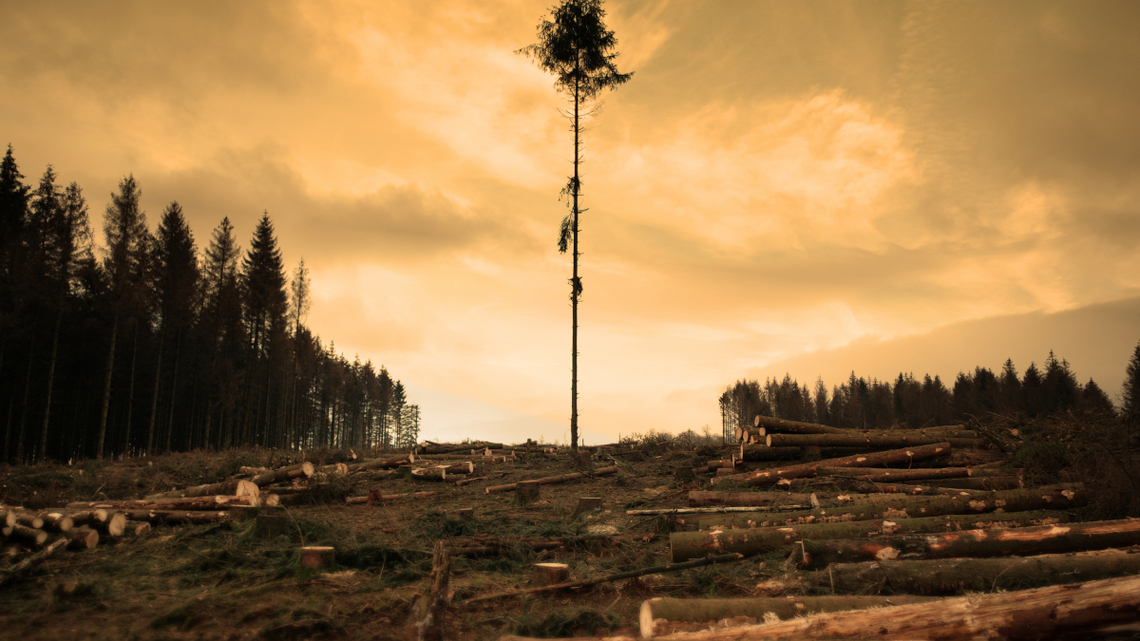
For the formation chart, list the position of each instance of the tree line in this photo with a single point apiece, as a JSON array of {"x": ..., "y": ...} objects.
[
  {"x": 909, "y": 402},
  {"x": 144, "y": 345}
]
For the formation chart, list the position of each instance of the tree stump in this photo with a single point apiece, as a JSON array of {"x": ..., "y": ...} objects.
[
  {"x": 429, "y": 611},
  {"x": 268, "y": 526},
  {"x": 526, "y": 492},
  {"x": 465, "y": 514},
  {"x": 584, "y": 460},
  {"x": 316, "y": 557},
  {"x": 585, "y": 504},
  {"x": 550, "y": 573}
]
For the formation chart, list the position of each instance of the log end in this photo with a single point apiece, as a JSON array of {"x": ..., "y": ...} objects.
[
  {"x": 549, "y": 573},
  {"x": 316, "y": 557}
]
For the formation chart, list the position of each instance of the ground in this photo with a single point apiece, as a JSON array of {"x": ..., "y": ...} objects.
[{"x": 226, "y": 581}]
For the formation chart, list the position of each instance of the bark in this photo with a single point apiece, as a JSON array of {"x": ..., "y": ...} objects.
[
  {"x": 188, "y": 503},
  {"x": 555, "y": 479},
  {"x": 1075, "y": 610},
  {"x": 549, "y": 573},
  {"x": 1095, "y": 535},
  {"x": 50, "y": 381},
  {"x": 157, "y": 387},
  {"x": 879, "y": 475},
  {"x": 996, "y": 483},
  {"x": 83, "y": 538},
  {"x": 29, "y": 520},
  {"x": 377, "y": 497},
  {"x": 304, "y": 469},
  {"x": 234, "y": 487},
  {"x": 115, "y": 525},
  {"x": 25, "y": 534},
  {"x": 708, "y": 560},
  {"x": 940, "y": 577},
  {"x": 1055, "y": 497},
  {"x": 137, "y": 528},
  {"x": 795, "y": 427},
  {"x": 316, "y": 557},
  {"x": 711, "y": 510},
  {"x": 87, "y": 517},
  {"x": 889, "y": 457},
  {"x": 762, "y": 452},
  {"x": 431, "y": 610},
  {"x": 663, "y": 615},
  {"x": 57, "y": 521},
  {"x": 900, "y": 439},
  {"x": 176, "y": 516},
  {"x": 376, "y": 464},
  {"x": 759, "y": 540},
  {"x": 446, "y": 449}
]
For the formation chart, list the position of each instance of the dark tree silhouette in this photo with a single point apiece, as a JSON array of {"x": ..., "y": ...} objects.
[
  {"x": 575, "y": 45},
  {"x": 1131, "y": 407}
]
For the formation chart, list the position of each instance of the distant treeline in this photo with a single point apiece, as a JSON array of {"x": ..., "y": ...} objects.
[
  {"x": 143, "y": 345},
  {"x": 909, "y": 402}
]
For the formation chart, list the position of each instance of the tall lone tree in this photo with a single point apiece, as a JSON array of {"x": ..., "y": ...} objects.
[{"x": 575, "y": 45}]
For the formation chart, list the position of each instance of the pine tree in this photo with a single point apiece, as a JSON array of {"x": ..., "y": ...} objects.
[
  {"x": 266, "y": 307},
  {"x": 225, "y": 336},
  {"x": 575, "y": 46},
  {"x": 1130, "y": 410}
]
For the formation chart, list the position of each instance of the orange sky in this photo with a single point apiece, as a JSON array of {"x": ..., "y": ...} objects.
[{"x": 810, "y": 188}]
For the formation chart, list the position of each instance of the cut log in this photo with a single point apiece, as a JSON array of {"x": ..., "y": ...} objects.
[
  {"x": 943, "y": 577},
  {"x": 447, "y": 449},
  {"x": 26, "y": 535},
  {"x": 176, "y": 516},
  {"x": 715, "y": 510},
  {"x": 703, "y": 498},
  {"x": 377, "y": 497},
  {"x": 468, "y": 481},
  {"x": 115, "y": 525},
  {"x": 901, "y": 439},
  {"x": 318, "y": 557},
  {"x": 7, "y": 517},
  {"x": 996, "y": 483},
  {"x": 708, "y": 560},
  {"x": 881, "y": 475},
  {"x": 1054, "y": 497},
  {"x": 57, "y": 521},
  {"x": 334, "y": 469},
  {"x": 187, "y": 503},
  {"x": 376, "y": 464},
  {"x": 234, "y": 487},
  {"x": 137, "y": 528},
  {"x": 429, "y": 473},
  {"x": 1075, "y": 610},
  {"x": 759, "y": 540},
  {"x": 1096, "y": 535},
  {"x": 562, "y": 478},
  {"x": 304, "y": 469},
  {"x": 889, "y": 457},
  {"x": 81, "y": 538},
  {"x": 664, "y": 615},
  {"x": 765, "y": 453},
  {"x": 87, "y": 517},
  {"x": 549, "y": 573},
  {"x": 795, "y": 427}
]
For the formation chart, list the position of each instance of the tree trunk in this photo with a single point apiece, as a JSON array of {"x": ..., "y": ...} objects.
[
  {"x": 431, "y": 610},
  {"x": 795, "y": 427},
  {"x": 234, "y": 487},
  {"x": 574, "y": 282},
  {"x": 1095, "y": 535},
  {"x": 555, "y": 479},
  {"x": 942, "y": 577},
  {"x": 868, "y": 440},
  {"x": 50, "y": 382},
  {"x": 131, "y": 390},
  {"x": 173, "y": 391},
  {"x": 1055, "y": 497},
  {"x": 187, "y": 503},
  {"x": 157, "y": 386},
  {"x": 1076, "y": 610},
  {"x": 376, "y": 464},
  {"x": 664, "y": 615},
  {"x": 889, "y": 457},
  {"x": 177, "y": 516},
  {"x": 879, "y": 475},
  {"x": 276, "y": 476},
  {"x": 762, "y": 539}
]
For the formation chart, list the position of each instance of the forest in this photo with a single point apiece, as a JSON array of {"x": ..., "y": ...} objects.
[
  {"x": 143, "y": 345},
  {"x": 908, "y": 402}
]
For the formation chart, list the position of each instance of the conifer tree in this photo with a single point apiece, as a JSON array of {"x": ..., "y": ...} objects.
[
  {"x": 575, "y": 45},
  {"x": 1130, "y": 410}
]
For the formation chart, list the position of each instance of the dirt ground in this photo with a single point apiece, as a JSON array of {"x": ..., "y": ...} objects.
[{"x": 229, "y": 581}]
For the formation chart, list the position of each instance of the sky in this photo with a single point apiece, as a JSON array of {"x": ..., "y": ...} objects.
[{"x": 781, "y": 188}]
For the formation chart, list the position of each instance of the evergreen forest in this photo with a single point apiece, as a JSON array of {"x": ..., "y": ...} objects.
[
  {"x": 908, "y": 402},
  {"x": 136, "y": 342}
]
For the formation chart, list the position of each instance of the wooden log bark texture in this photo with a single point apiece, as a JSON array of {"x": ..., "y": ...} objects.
[
  {"x": 1069, "y": 537},
  {"x": 888, "y": 457},
  {"x": 562, "y": 478},
  {"x": 664, "y": 615}
]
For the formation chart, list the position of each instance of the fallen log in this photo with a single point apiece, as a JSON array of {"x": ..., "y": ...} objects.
[
  {"x": 176, "y": 516},
  {"x": 664, "y": 615},
  {"x": 942, "y": 577},
  {"x": 137, "y": 528},
  {"x": 708, "y": 560},
  {"x": 429, "y": 613},
  {"x": 376, "y": 464},
  {"x": 115, "y": 525},
  {"x": 187, "y": 503},
  {"x": 1070, "y": 537},
  {"x": 27, "y": 519},
  {"x": 562, "y": 478},
  {"x": 1054, "y": 497},
  {"x": 26, "y": 535},
  {"x": 795, "y": 427},
  {"x": 57, "y": 522},
  {"x": 304, "y": 469},
  {"x": 886, "y": 475},
  {"x": 234, "y": 487},
  {"x": 713, "y": 510},
  {"x": 377, "y": 497},
  {"x": 765, "y": 453},
  {"x": 7, "y": 518},
  {"x": 1076, "y": 610},
  {"x": 893, "y": 440},
  {"x": 32, "y": 560},
  {"x": 87, "y": 517},
  {"x": 996, "y": 483},
  {"x": 447, "y": 449},
  {"x": 80, "y": 538},
  {"x": 889, "y": 457},
  {"x": 759, "y": 540}
]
